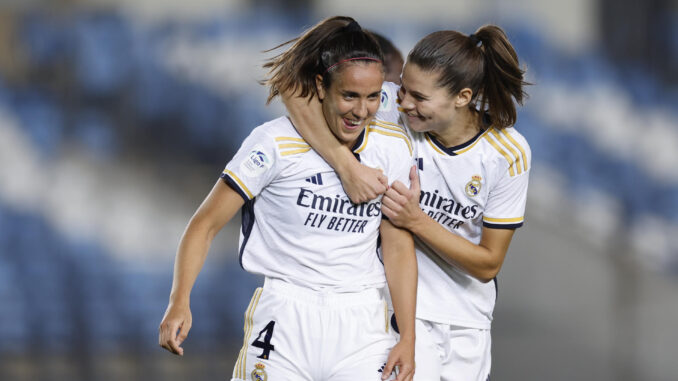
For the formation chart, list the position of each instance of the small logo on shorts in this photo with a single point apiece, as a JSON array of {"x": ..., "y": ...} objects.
[
  {"x": 473, "y": 186},
  {"x": 259, "y": 374}
]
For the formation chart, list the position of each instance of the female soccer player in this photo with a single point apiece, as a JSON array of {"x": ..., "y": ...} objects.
[
  {"x": 468, "y": 187},
  {"x": 320, "y": 314}
]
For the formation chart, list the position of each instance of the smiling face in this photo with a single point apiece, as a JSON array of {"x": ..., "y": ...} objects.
[
  {"x": 427, "y": 106},
  {"x": 352, "y": 99}
]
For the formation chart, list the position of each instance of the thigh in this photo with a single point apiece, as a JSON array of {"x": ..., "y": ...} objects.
[
  {"x": 363, "y": 344},
  {"x": 468, "y": 355},
  {"x": 272, "y": 348}
]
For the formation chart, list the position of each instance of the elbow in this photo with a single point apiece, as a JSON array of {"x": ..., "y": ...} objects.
[{"x": 488, "y": 274}]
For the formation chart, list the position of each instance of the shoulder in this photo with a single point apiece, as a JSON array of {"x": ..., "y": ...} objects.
[
  {"x": 281, "y": 136},
  {"x": 508, "y": 149},
  {"x": 388, "y": 106},
  {"x": 388, "y": 136}
]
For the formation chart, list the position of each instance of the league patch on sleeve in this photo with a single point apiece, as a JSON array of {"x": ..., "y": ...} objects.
[
  {"x": 257, "y": 162},
  {"x": 385, "y": 105}
]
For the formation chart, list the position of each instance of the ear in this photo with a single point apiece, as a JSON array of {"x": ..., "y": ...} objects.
[
  {"x": 463, "y": 98},
  {"x": 319, "y": 86}
]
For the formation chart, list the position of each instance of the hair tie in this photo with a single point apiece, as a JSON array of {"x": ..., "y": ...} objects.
[
  {"x": 353, "y": 26},
  {"x": 353, "y": 59},
  {"x": 474, "y": 39}
]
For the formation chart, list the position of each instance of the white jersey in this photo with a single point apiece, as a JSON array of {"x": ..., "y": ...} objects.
[
  {"x": 298, "y": 225},
  {"x": 482, "y": 182}
]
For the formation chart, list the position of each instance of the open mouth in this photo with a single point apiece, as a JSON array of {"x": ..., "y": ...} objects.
[{"x": 352, "y": 124}]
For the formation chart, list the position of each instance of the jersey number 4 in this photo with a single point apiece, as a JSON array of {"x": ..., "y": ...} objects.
[{"x": 266, "y": 344}]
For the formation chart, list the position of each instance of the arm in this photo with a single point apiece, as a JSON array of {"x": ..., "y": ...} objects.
[
  {"x": 216, "y": 210},
  {"x": 360, "y": 182},
  {"x": 400, "y": 264},
  {"x": 482, "y": 261}
]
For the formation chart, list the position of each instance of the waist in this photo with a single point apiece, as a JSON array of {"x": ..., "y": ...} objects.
[{"x": 321, "y": 297}]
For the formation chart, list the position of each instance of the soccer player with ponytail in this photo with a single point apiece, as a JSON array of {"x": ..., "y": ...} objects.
[
  {"x": 321, "y": 314},
  {"x": 468, "y": 186}
]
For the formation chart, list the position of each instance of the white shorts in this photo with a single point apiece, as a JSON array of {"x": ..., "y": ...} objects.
[
  {"x": 445, "y": 352},
  {"x": 297, "y": 334}
]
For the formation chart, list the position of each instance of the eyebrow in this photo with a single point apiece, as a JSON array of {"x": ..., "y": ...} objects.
[{"x": 414, "y": 93}]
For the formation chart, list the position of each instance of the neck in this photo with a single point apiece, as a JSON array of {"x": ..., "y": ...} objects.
[{"x": 461, "y": 129}]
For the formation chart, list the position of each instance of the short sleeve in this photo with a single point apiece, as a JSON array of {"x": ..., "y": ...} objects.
[
  {"x": 505, "y": 207},
  {"x": 254, "y": 166},
  {"x": 388, "y": 106}
]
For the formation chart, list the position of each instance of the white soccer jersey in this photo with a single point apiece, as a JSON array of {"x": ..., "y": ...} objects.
[
  {"x": 482, "y": 182},
  {"x": 298, "y": 224}
]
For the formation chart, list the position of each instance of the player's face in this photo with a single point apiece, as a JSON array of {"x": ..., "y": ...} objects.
[
  {"x": 352, "y": 99},
  {"x": 426, "y": 106}
]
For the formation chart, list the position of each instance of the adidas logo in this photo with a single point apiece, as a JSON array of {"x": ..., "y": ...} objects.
[{"x": 317, "y": 179}]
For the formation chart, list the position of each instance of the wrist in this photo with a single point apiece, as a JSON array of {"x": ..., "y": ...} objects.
[
  {"x": 417, "y": 224},
  {"x": 177, "y": 299}
]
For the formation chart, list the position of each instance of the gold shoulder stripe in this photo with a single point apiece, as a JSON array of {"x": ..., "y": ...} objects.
[
  {"x": 292, "y": 145},
  {"x": 509, "y": 147},
  {"x": 283, "y": 138},
  {"x": 501, "y": 151},
  {"x": 430, "y": 142},
  {"x": 295, "y": 151},
  {"x": 515, "y": 143},
  {"x": 503, "y": 220},
  {"x": 240, "y": 183},
  {"x": 474, "y": 143},
  {"x": 375, "y": 128},
  {"x": 240, "y": 365},
  {"x": 389, "y": 125}
]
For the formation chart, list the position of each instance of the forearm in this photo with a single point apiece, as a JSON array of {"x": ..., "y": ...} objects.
[
  {"x": 190, "y": 258},
  {"x": 308, "y": 119},
  {"x": 400, "y": 265},
  {"x": 477, "y": 260}
]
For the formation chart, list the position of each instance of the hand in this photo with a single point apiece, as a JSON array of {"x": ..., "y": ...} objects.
[
  {"x": 174, "y": 328},
  {"x": 401, "y": 355},
  {"x": 401, "y": 204},
  {"x": 363, "y": 183}
]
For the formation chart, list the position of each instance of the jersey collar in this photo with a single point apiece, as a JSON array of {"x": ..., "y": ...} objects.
[{"x": 456, "y": 150}]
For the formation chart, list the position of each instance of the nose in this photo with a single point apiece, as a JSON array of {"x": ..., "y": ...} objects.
[
  {"x": 406, "y": 102},
  {"x": 360, "y": 109}
]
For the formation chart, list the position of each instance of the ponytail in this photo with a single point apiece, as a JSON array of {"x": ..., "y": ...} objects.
[
  {"x": 320, "y": 50},
  {"x": 503, "y": 78}
]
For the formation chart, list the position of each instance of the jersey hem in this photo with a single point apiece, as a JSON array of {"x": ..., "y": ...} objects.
[
  {"x": 502, "y": 226},
  {"x": 231, "y": 183}
]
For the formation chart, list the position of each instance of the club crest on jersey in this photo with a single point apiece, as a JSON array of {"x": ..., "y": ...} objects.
[
  {"x": 257, "y": 162},
  {"x": 384, "y": 105},
  {"x": 473, "y": 186},
  {"x": 259, "y": 374}
]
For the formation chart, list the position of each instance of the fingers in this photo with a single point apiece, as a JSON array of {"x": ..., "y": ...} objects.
[
  {"x": 400, "y": 187},
  {"x": 406, "y": 373},
  {"x": 388, "y": 368},
  {"x": 383, "y": 180},
  {"x": 414, "y": 179},
  {"x": 168, "y": 338},
  {"x": 183, "y": 332}
]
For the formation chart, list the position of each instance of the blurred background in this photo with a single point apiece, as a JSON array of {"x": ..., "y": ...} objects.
[{"x": 117, "y": 117}]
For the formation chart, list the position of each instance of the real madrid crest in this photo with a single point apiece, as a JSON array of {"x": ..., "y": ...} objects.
[
  {"x": 473, "y": 186},
  {"x": 259, "y": 374}
]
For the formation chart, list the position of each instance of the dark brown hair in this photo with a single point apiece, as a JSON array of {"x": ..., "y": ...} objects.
[
  {"x": 320, "y": 48},
  {"x": 484, "y": 62}
]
